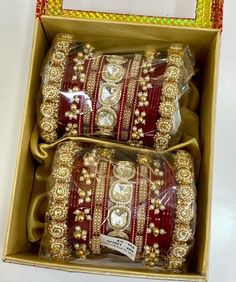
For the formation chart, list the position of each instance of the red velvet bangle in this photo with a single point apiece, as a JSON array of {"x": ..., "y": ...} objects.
[
  {"x": 150, "y": 203},
  {"x": 154, "y": 94},
  {"x": 163, "y": 220}
]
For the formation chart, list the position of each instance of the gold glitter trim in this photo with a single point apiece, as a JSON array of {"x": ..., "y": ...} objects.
[
  {"x": 203, "y": 16},
  {"x": 57, "y": 214},
  {"x": 185, "y": 208},
  {"x": 52, "y": 80}
]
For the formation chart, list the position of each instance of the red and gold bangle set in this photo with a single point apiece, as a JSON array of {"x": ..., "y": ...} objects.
[
  {"x": 144, "y": 199},
  {"x": 93, "y": 194},
  {"x": 130, "y": 98}
]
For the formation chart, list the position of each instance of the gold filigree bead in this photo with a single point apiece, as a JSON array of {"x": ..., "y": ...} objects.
[
  {"x": 65, "y": 157},
  {"x": 167, "y": 109},
  {"x": 184, "y": 214},
  {"x": 179, "y": 250},
  {"x": 62, "y": 173},
  {"x": 55, "y": 74},
  {"x": 162, "y": 141},
  {"x": 183, "y": 233},
  {"x": 164, "y": 125},
  {"x": 184, "y": 176},
  {"x": 185, "y": 193},
  {"x": 62, "y": 45},
  {"x": 175, "y": 59},
  {"x": 59, "y": 248},
  {"x": 69, "y": 146},
  {"x": 48, "y": 110},
  {"x": 170, "y": 90},
  {"x": 172, "y": 73},
  {"x": 48, "y": 124},
  {"x": 58, "y": 212},
  {"x": 57, "y": 230},
  {"x": 174, "y": 264},
  {"x": 60, "y": 191},
  {"x": 49, "y": 137},
  {"x": 183, "y": 159},
  {"x": 50, "y": 92},
  {"x": 58, "y": 57}
]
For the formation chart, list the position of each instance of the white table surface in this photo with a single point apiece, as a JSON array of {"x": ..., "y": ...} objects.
[{"x": 16, "y": 29}]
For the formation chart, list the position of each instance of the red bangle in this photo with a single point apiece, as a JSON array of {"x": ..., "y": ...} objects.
[
  {"x": 144, "y": 110},
  {"x": 147, "y": 202}
]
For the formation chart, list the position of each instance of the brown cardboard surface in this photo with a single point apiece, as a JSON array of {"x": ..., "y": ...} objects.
[{"x": 206, "y": 43}]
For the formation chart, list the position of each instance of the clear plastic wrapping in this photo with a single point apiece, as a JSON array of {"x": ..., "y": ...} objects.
[
  {"x": 107, "y": 201},
  {"x": 130, "y": 97}
]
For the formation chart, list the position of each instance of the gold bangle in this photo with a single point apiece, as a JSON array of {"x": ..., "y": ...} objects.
[
  {"x": 170, "y": 92},
  {"x": 141, "y": 215},
  {"x": 145, "y": 84},
  {"x": 52, "y": 81},
  {"x": 90, "y": 87},
  {"x": 110, "y": 93},
  {"x": 57, "y": 214},
  {"x": 132, "y": 87},
  {"x": 98, "y": 206},
  {"x": 183, "y": 230}
]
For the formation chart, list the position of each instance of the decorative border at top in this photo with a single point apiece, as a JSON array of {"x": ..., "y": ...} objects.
[
  {"x": 40, "y": 7},
  {"x": 209, "y": 15},
  {"x": 217, "y": 13}
]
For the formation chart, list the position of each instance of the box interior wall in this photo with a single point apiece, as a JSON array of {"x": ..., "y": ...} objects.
[{"x": 206, "y": 43}]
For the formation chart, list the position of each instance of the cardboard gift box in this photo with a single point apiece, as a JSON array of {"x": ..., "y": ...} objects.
[{"x": 202, "y": 30}]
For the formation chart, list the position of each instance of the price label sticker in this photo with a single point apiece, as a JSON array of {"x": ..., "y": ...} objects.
[{"x": 120, "y": 245}]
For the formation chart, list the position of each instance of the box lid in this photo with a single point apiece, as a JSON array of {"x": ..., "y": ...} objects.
[{"x": 187, "y": 13}]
